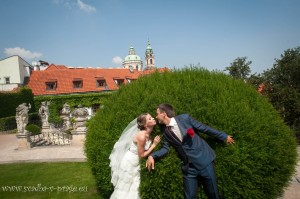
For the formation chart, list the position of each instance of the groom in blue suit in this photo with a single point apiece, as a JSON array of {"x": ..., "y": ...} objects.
[{"x": 182, "y": 133}]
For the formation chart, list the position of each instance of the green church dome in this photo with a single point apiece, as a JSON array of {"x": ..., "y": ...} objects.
[{"x": 132, "y": 58}]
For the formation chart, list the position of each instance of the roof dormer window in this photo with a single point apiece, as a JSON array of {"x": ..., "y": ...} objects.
[
  {"x": 119, "y": 81},
  {"x": 129, "y": 79},
  {"x": 100, "y": 83},
  {"x": 77, "y": 83},
  {"x": 51, "y": 85}
]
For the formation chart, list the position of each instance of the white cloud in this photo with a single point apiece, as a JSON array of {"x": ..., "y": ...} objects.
[
  {"x": 71, "y": 4},
  {"x": 85, "y": 7},
  {"x": 25, "y": 54},
  {"x": 66, "y": 3},
  {"x": 117, "y": 60}
]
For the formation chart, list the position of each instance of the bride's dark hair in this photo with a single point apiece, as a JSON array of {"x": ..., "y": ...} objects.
[{"x": 141, "y": 121}]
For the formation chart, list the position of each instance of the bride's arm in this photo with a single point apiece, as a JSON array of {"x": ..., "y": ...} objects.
[{"x": 141, "y": 140}]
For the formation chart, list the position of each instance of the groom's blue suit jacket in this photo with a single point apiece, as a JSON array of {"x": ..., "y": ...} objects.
[{"x": 192, "y": 149}]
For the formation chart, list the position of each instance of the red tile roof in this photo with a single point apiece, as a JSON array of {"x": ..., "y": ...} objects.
[
  {"x": 56, "y": 67},
  {"x": 63, "y": 77}
]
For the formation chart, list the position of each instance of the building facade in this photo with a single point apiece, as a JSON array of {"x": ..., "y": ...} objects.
[{"x": 14, "y": 72}]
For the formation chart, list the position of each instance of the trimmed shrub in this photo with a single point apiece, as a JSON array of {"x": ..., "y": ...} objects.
[
  {"x": 9, "y": 123},
  {"x": 12, "y": 100},
  {"x": 258, "y": 165},
  {"x": 33, "y": 129}
]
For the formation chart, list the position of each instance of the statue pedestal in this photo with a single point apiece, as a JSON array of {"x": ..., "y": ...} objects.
[
  {"x": 78, "y": 137},
  {"x": 46, "y": 126},
  {"x": 23, "y": 141}
]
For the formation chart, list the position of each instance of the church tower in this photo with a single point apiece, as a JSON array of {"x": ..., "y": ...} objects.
[{"x": 149, "y": 56}]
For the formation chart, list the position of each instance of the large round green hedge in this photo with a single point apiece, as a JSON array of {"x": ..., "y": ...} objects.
[{"x": 258, "y": 165}]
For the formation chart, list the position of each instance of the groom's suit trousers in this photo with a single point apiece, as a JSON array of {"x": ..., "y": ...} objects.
[{"x": 205, "y": 176}]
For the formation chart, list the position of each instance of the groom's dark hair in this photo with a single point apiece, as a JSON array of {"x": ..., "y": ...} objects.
[{"x": 167, "y": 108}]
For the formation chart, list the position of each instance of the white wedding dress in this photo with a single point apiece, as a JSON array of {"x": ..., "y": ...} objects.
[{"x": 127, "y": 185}]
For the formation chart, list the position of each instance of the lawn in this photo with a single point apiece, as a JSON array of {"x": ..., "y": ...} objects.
[{"x": 47, "y": 180}]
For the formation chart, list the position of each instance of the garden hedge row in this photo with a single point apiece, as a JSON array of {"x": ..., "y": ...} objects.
[
  {"x": 10, "y": 101},
  {"x": 9, "y": 123}
]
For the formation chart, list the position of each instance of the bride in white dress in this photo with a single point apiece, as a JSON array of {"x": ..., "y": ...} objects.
[{"x": 134, "y": 143}]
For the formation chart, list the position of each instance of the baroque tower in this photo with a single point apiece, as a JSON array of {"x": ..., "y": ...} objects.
[{"x": 149, "y": 56}]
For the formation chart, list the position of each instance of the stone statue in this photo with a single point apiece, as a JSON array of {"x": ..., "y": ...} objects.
[
  {"x": 81, "y": 115},
  {"x": 65, "y": 115},
  {"x": 22, "y": 117},
  {"x": 44, "y": 113}
]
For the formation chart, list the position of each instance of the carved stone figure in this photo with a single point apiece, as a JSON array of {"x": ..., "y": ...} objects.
[
  {"x": 81, "y": 115},
  {"x": 22, "y": 117},
  {"x": 44, "y": 113},
  {"x": 65, "y": 115}
]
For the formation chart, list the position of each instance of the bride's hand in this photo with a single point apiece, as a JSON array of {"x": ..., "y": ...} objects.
[{"x": 156, "y": 140}]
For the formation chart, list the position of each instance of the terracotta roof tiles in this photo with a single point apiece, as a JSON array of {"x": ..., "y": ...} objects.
[{"x": 58, "y": 79}]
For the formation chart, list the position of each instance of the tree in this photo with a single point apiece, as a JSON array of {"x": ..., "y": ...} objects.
[
  {"x": 256, "y": 80},
  {"x": 239, "y": 68},
  {"x": 284, "y": 87}
]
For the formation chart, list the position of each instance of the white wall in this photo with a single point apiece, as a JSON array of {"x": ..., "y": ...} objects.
[
  {"x": 16, "y": 69},
  {"x": 10, "y": 68}
]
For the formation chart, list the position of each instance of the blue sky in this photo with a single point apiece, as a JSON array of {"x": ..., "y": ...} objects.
[{"x": 98, "y": 33}]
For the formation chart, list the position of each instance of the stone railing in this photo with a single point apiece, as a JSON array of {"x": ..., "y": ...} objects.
[{"x": 49, "y": 138}]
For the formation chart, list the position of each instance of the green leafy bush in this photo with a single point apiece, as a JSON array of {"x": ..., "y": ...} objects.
[
  {"x": 10, "y": 101},
  {"x": 33, "y": 129},
  {"x": 9, "y": 123},
  {"x": 258, "y": 165}
]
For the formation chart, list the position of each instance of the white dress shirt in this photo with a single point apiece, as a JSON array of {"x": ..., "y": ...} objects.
[{"x": 174, "y": 126}]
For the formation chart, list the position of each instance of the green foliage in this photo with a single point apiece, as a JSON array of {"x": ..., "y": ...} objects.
[
  {"x": 10, "y": 101},
  {"x": 239, "y": 68},
  {"x": 255, "y": 80},
  {"x": 9, "y": 123},
  {"x": 258, "y": 165},
  {"x": 283, "y": 87},
  {"x": 33, "y": 129},
  {"x": 57, "y": 102}
]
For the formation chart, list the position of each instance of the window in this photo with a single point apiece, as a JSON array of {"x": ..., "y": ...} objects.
[
  {"x": 150, "y": 61},
  {"x": 100, "y": 83},
  {"x": 119, "y": 81},
  {"x": 6, "y": 80},
  {"x": 129, "y": 80},
  {"x": 51, "y": 85},
  {"x": 77, "y": 83}
]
